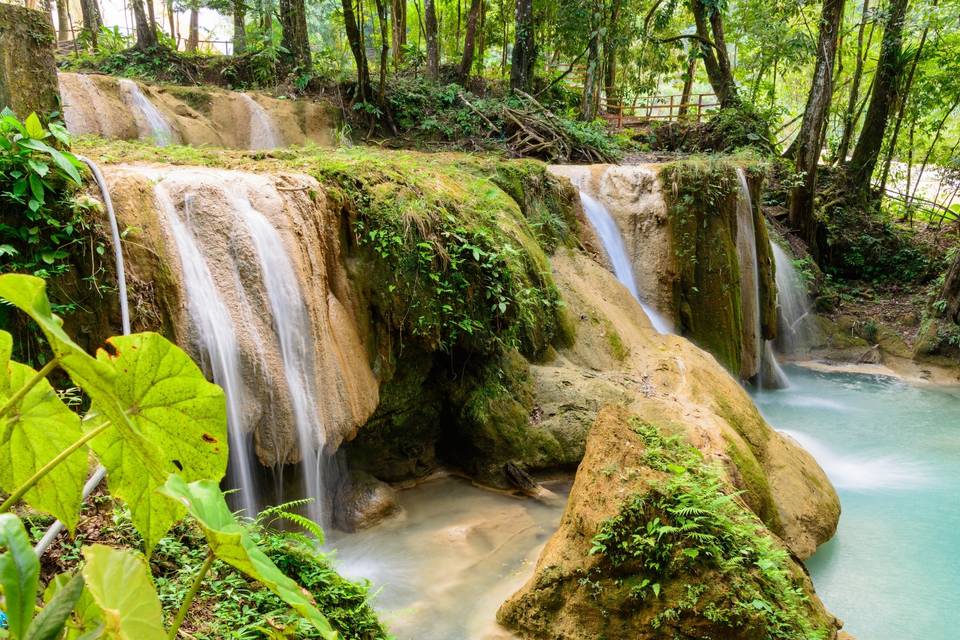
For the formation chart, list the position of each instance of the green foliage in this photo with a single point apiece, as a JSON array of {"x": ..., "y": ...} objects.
[
  {"x": 38, "y": 219},
  {"x": 455, "y": 260},
  {"x": 687, "y": 524},
  {"x": 153, "y": 416},
  {"x": 232, "y": 543}
]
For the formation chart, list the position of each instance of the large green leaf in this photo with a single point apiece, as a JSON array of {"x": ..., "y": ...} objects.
[
  {"x": 119, "y": 582},
  {"x": 176, "y": 412},
  {"x": 36, "y": 431},
  {"x": 165, "y": 416},
  {"x": 50, "y": 621},
  {"x": 19, "y": 574},
  {"x": 232, "y": 543},
  {"x": 87, "y": 617}
]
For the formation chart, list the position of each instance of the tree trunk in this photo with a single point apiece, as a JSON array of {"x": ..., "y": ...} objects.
[
  {"x": 848, "y": 120},
  {"x": 808, "y": 142},
  {"x": 481, "y": 54},
  {"x": 146, "y": 34},
  {"x": 384, "y": 48},
  {"x": 63, "y": 21},
  {"x": 293, "y": 23},
  {"x": 151, "y": 16},
  {"x": 359, "y": 54},
  {"x": 714, "y": 48},
  {"x": 469, "y": 39},
  {"x": 885, "y": 84},
  {"x": 433, "y": 44},
  {"x": 904, "y": 96},
  {"x": 503, "y": 42},
  {"x": 398, "y": 11},
  {"x": 193, "y": 37},
  {"x": 591, "y": 81},
  {"x": 239, "y": 26},
  {"x": 687, "y": 86},
  {"x": 172, "y": 18},
  {"x": 91, "y": 19},
  {"x": 610, "y": 58},
  {"x": 524, "y": 47}
]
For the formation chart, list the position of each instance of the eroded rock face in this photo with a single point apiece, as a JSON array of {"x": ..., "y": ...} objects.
[
  {"x": 103, "y": 105},
  {"x": 584, "y": 591},
  {"x": 210, "y": 204}
]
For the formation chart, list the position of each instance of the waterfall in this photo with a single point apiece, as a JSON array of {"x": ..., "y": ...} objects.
[
  {"x": 150, "y": 121},
  {"x": 292, "y": 325},
  {"x": 263, "y": 131},
  {"x": 606, "y": 227},
  {"x": 218, "y": 341},
  {"x": 793, "y": 303}
]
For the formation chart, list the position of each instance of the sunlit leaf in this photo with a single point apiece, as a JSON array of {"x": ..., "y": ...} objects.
[
  {"x": 232, "y": 543},
  {"x": 33, "y": 126},
  {"x": 119, "y": 582},
  {"x": 39, "y": 427},
  {"x": 19, "y": 574}
]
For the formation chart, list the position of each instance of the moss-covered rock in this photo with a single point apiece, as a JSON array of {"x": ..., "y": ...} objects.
[
  {"x": 702, "y": 198},
  {"x": 28, "y": 72},
  {"x": 624, "y": 563}
]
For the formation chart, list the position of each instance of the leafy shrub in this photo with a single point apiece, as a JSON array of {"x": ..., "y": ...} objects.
[
  {"x": 38, "y": 216},
  {"x": 686, "y": 524}
]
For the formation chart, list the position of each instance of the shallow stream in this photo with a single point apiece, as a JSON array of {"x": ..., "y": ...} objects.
[
  {"x": 892, "y": 450},
  {"x": 444, "y": 566}
]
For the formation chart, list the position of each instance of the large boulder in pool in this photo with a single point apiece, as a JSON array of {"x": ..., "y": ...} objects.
[{"x": 655, "y": 544}]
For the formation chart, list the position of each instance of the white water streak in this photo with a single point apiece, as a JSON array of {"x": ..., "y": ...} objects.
[
  {"x": 151, "y": 122},
  {"x": 263, "y": 131}
]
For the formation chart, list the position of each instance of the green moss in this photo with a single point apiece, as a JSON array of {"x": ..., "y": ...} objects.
[
  {"x": 692, "y": 551},
  {"x": 618, "y": 349},
  {"x": 702, "y": 201},
  {"x": 198, "y": 99}
]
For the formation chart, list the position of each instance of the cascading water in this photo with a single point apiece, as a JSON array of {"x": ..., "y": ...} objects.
[
  {"x": 749, "y": 278},
  {"x": 606, "y": 227},
  {"x": 263, "y": 131},
  {"x": 150, "y": 121},
  {"x": 795, "y": 311},
  {"x": 292, "y": 325},
  {"x": 218, "y": 341}
]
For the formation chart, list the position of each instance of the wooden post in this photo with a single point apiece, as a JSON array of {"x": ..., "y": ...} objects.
[
  {"x": 620, "y": 115},
  {"x": 699, "y": 107},
  {"x": 670, "y": 113}
]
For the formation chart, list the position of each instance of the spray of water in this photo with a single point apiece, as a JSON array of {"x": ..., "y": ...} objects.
[
  {"x": 217, "y": 341},
  {"x": 606, "y": 227},
  {"x": 263, "y": 131},
  {"x": 292, "y": 324},
  {"x": 151, "y": 122}
]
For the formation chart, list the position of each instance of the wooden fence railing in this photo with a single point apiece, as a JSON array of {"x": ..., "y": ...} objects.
[{"x": 660, "y": 108}]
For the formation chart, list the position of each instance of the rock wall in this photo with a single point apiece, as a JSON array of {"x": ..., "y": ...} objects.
[
  {"x": 679, "y": 223},
  {"x": 97, "y": 105},
  {"x": 296, "y": 206},
  {"x": 28, "y": 72}
]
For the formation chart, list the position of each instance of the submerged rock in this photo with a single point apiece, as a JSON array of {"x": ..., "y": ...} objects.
[{"x": 363, "y": 501}]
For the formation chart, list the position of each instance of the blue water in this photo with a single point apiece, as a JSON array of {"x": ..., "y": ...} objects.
[{"x": 892, "y": 450}]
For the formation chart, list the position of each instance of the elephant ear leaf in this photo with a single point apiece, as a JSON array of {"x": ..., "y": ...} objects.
[
  {"x": 32, "y": 434},
  {"x": 231, "y": 542},
  {"x": 177, "y": 417},
  {"x": 50, "y": 621},
  {"x": 119, "y": 582},
  {"x": 19, "y": 574}
]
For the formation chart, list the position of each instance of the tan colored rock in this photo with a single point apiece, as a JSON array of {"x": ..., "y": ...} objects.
[
  {"x": 96, "y": 105},
  {"x": 205, "y": 199},
  {"x": 576, "y": 595}
]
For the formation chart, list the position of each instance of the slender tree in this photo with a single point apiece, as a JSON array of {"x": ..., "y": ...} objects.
[
  {"x": 364, "y": 91},
  {"x": 592, "y": 78},
  {"x": 808, "y": 142},
  {"x": 687, "y": 90},
  {"x": 886, "y": 82},
  {"x": 524, "y": 47},
  {"x": 433, "y": 42},
  {"x": 398, "y": 13},
  {"x": 239, "y": 26},
  {"x": 848, "y": 117},
  {"x": 63, "y": 21},
  {"x": 384, "y": 48},
  {"x": 146, "y": 32},
  {"x": 469, "y": 39},
  {"x": 296, "y": 40},
  {"x": 713, "y": 45},
  {"x": 610, "y": 47},
  {"x": 193, "y": 36},
  {"x": 92, "y": 21}
]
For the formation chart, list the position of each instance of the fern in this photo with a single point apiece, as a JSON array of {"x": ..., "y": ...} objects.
[{"x": 286, "y": 512}]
